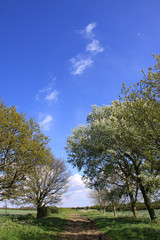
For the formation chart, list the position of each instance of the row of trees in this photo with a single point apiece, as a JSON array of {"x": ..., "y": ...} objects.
[
  {"x": 29, "y": 173},
  {"x": 119, "y": 147}
]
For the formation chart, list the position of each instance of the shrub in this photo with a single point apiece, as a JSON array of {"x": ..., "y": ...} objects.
[{"x": 54, "y": 210}]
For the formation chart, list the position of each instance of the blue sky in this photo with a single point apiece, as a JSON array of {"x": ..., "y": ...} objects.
[{"x": 57, "y": 58}]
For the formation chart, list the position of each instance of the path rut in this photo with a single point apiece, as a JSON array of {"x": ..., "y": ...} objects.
[{"x": 81, "y": 228}]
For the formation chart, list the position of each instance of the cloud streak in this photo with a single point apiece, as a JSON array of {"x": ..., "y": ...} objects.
[
  {"x": 48, "y": 93},
  {"x": 94, "y": 47},
  {"x": 88, "y": 31},
  {"x": 80, "y": 63},
  {"x": 83, "y": 61},
  {"x": 52, "y": 96},
  {"x": 46, "y": 123}
]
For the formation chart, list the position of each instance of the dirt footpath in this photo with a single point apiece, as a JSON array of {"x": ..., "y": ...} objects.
[{"x": 81, "y": 228}]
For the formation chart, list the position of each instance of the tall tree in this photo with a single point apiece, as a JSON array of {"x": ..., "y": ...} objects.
[
  {"x": 22, "y": 146},
  {"x": 94, "y": 148},
  {"x": 124, "y": 136},
  {"x": 44, "y": 186},
  {"x": 141, "y": 112}
]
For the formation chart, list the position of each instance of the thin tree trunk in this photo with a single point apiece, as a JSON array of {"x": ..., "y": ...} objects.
[
  {"x": 104, "y": 210},
  {"x": 100, "y": 210},
  {"x": 114, "y": 210},
  {"x": 132, "y": 200},
  {"x": 134, "y": 210}
]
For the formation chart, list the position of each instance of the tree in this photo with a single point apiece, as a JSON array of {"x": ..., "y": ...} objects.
[
  {"x": 143, "y": 103},
  {"x": 98, "y": 198},
  {"x": 109, "y": 193},
  {"x": 94, "y": 148},
  {"x": 44, "y": 186},
  {"x": 124, "y": 137},
  {"x": 141, "y": 111},
  {"x": 22, "y": 146}
]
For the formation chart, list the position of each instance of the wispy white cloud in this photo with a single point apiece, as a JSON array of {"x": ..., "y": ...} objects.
[
  {"x": 51, "y": 77},
  {"x": 47, "y": 122},
  {"x": 83, "y": 61},
  {"x": 94, "y": 47},
  {"x": 88, "y": 31},
  {"x": 80, "y": 63},
  {"x": 45, "y": 90},
  {"x": 48, "y": 93},
  {"x": 52, "y": 96}
]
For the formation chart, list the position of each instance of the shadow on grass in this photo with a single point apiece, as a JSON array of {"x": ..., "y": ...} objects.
[
  {"x": 124, "y": 228},
  {"x": 54, "y": 224},
  {"x": 48, "y": 227}
]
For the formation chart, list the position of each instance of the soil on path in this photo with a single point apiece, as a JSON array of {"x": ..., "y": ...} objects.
[{"x": 81, "y": 228}]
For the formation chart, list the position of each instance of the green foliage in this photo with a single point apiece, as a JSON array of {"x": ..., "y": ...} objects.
[
  {"x": 22, "y": 146},
  {"x": 43, "y": 212},
  {"x": 123, "y": 140},
  {"x": 54, "y": 210}
]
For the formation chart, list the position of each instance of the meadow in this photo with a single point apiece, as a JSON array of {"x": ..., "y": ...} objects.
[
  {"x": 23, "y": 225},
  {"x": 125, "y": 226}
]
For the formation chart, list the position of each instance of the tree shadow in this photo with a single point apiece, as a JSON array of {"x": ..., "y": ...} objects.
[
  {"x": 124, "y": 228},
  {"x": 51, "y": 226}
]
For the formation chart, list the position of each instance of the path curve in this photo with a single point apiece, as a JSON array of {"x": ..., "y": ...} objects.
[{"x": 81, "y": 228}]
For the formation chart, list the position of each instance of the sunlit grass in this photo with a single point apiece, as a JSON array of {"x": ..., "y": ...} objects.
[
  {"x": 125, "y": 226},
  {"x": 20, "y": 225},
  {"x": 25, "y": 226}
]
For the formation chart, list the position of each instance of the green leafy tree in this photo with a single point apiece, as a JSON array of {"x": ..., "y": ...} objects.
[
  {"x": 94, "y": 148},
  {"x": 140, "y": 110},
  {"x": 124, "y": 137},
  {"x": 22, "y": 146}
]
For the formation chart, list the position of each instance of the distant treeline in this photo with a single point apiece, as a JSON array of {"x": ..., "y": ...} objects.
[
  {"x": 19, "y": 208},
  {"x": 109, "y": 208},
  {"x": 125, "y": 207}
]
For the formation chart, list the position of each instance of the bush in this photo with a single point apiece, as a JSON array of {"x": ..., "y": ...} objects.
[
  {"x": 54, "y": 210},
  {"x": 47, "y": 211},
  {"x": 43, "y": 212}
]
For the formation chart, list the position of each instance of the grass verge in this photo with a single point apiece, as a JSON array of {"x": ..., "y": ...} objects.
[{"x": 124, "y": 226}]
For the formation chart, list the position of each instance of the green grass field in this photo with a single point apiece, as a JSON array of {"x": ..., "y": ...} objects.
[
  {"x": 23, "y": 225},
  {"x": 126, "y": 227},
  {"x": 4, "y": 211}
]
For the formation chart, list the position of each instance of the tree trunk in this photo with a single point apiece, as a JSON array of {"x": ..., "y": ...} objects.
[
  {"x": 104, "y": 210},
  {"x": 132, "y": 200},
  {"x": 40, "y": 211},
  {"x": 148, "y": 203},
  {"x": 134, "y": 210},
  {"x": 114, "y": 210},
  {"x": 100, "y": 210}
]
